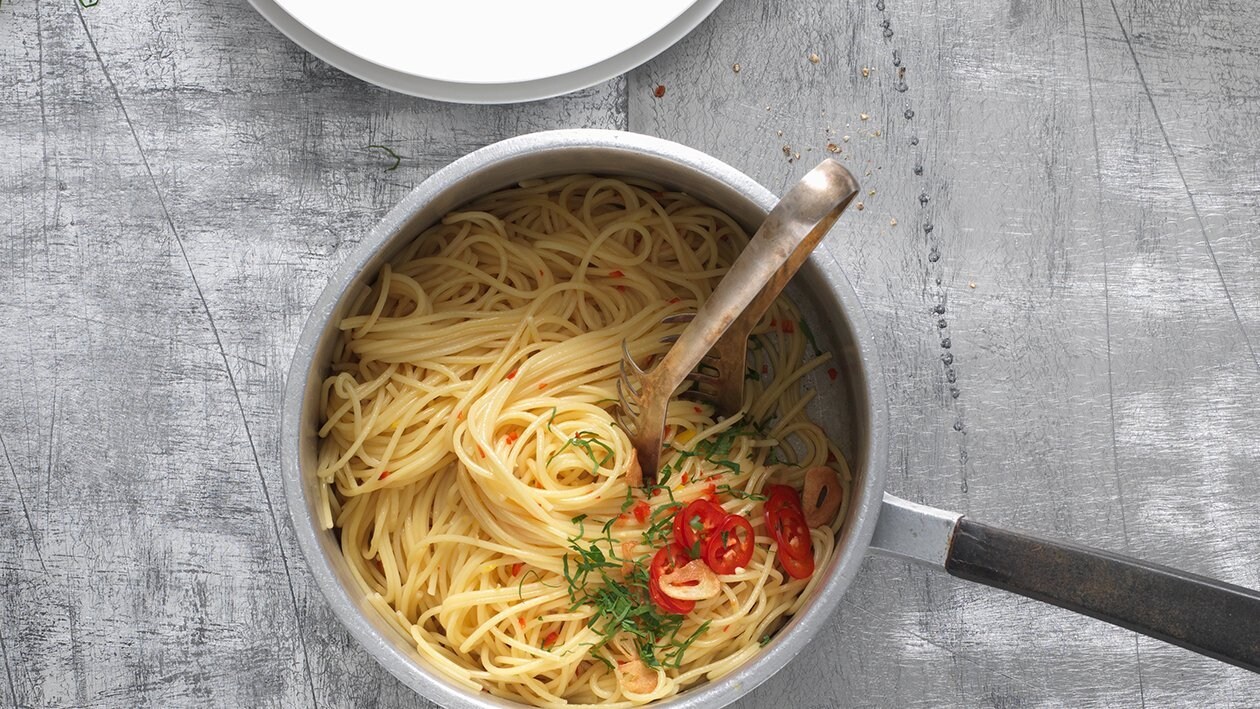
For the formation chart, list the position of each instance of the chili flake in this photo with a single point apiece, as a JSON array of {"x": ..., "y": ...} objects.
[{"x": 660, "y": 91}]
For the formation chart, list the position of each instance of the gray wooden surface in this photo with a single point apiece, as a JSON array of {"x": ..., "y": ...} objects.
[{"x": 177, "y": 180}]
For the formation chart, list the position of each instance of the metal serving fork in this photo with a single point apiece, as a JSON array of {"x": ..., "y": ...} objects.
[{"x": 722, "y": 324}]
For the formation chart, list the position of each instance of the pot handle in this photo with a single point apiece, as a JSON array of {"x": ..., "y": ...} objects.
[{"x": 1210, "y": 617}]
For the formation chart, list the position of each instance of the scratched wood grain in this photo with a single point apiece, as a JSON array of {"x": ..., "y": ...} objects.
[{"x": 178, "y": 181}]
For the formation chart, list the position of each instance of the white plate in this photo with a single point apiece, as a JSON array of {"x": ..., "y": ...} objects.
[{"x": 511, "y": 90}]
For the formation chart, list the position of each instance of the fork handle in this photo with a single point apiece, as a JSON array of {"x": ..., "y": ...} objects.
[
  {"x": 843, "y": 188},
  {"x": 777, "y": 250}
]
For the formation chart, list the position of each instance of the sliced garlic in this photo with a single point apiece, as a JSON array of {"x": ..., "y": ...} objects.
[
  {"x": 822, "y": 496},
  {"x": 636, "y": 677},
  {"x": 693, "y": 582}
]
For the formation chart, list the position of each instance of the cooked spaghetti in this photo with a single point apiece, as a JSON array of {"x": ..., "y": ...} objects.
[{"x": 483, "y": 490}]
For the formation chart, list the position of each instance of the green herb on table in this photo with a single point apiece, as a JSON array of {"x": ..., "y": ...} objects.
[{"x": 392, "y": 154}]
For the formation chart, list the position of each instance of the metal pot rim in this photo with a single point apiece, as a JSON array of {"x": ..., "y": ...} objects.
[{"x": 370, "y": 631}]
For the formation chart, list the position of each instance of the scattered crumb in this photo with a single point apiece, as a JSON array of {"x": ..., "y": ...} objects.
[
  {"x": 767, "y": 108},
  {"x": 660, "y": 90},
  {"x": 870, "y": 193},
  {"x": 846, "y": 138},
  {"x": 901, "y": 72},
  {"x": 787, "y": 150},
  {"x": 892, "y": 222},
  {"x": 868, "y": 173},
  {"x": 796, "y": 156},
  {"x": 833, "y": 148},
  {"x": 866, "y": 71},
  {"x": 860, "y": 206},
  {"x": 780, "y": 134},
  {"x": 864, "y": 116},
  {"x": 809, "y": 150},
  {"x": 735, "y": 68},
  {"x": 877, "y": 133},
  {"x": 814, "y": 58},
  {"x": 971, "y": 284}
]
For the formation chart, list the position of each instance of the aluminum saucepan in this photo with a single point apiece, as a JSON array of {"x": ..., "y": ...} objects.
[{"x": 1207, "y": 616}]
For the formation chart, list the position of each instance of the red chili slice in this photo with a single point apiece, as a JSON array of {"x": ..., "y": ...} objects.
[
  {"x": 791, "y": 533},
  {"x": 695, "y": 523},
  {"x": 665, "y": 562},
  {"x": 731, "y": 546},
  {"x": 780, "y": 496}
]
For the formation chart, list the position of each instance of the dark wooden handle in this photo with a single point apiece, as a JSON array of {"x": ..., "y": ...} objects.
[{"x": 1216, "y": 619}]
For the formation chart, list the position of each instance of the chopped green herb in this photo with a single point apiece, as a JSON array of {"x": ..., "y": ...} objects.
[
  {"x": 714, "y": 450},
  {"x": 587, "y": 442},
  {"x": 660, "y": 524},
  {"x": 621, "y": 603},
  {"x": 809, "y": 337},
  {"x": 738, "y": 494},
  {"x": 520, "y": 587},
  {"x": 765, "y": 640},
  {"x": 607, "y": 663},
  {"x": 609, "y": 525},
  {"x": 674, "y": 656},
  {"x": 753, "y": 375},
  {"x": 625, "y": 506},
  {"x": 663, "y": 475}
]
